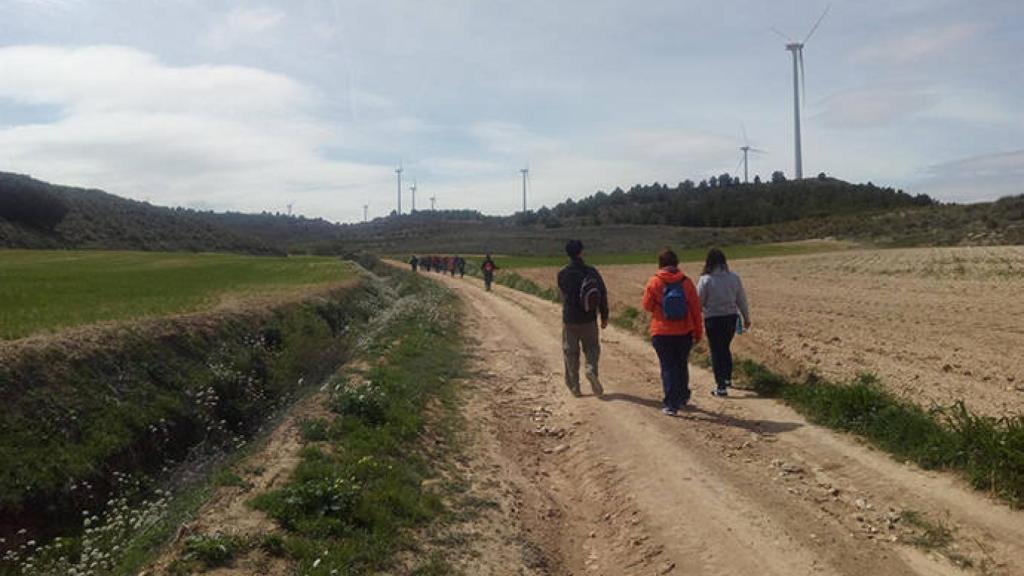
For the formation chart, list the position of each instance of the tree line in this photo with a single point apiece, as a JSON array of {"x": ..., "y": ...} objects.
[{"x": 724, "y": 202}]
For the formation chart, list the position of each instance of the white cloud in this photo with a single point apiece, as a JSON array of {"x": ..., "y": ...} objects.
[
  {"x": 243, "y": 25},
  {"x": 908, "y": 47},
  {"x": 226, "y": 136},
  {"x": 874, "y": 107},
  {"x": 975, "y": 107},
  {"x": 976, "y": 178},
  {"x": 998, "y": 164},
  {"x": 461, "y": 167},
  {"x": 682, "y": 147},
  {"x": 510, "y": 138}
]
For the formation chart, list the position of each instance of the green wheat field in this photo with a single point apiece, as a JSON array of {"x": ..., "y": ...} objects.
[{"x": 43, "y": 291}]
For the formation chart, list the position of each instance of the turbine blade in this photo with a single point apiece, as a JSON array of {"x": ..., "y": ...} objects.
[
  {"x": 746, "y": 141},
  {"x": 818, "y": 23},
  {"x": 757, "y": 151},
  {"x": 780, "y": 34},
  {"x": 739, "y": 165}
]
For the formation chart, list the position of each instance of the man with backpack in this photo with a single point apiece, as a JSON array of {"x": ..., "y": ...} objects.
[
  {"x": 676, "y": 325},
  {"x": 487, "y": 267},
  {"x": 584, "y": 297}
]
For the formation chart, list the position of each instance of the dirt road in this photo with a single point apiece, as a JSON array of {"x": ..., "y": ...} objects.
[
  {"x": 736, "y": 486},
  {"x": 935, "y": 324}
]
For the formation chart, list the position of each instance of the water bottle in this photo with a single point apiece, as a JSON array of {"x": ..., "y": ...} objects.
[{"x": 739, "y": 324}]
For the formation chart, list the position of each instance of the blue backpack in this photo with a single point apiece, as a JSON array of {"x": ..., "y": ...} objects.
[{"x": 673, "y": 301}]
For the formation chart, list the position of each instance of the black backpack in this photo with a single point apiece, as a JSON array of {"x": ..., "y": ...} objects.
[{"x": 590, "y": 292}]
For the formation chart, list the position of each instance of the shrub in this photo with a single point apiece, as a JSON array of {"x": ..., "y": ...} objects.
[
  {"x": 212, "y": 550},
  {"x": 365, "y": 403}
]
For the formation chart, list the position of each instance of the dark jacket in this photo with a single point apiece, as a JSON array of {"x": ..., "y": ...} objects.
[
  {"x": 494, "y": 267},
  {"x": 570, "y": 279}
]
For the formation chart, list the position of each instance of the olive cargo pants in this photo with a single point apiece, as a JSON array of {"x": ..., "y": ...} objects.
[{"x": 573, "y": 336}]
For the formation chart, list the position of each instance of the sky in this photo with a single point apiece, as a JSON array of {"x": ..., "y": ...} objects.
[{"x": 252, "y": 106}]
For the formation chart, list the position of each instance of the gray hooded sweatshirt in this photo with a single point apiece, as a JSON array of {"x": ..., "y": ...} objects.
[{"x": 721, "y": 294}]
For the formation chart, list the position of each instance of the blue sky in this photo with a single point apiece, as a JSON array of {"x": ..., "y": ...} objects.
[{"x": 252, "y": 106}]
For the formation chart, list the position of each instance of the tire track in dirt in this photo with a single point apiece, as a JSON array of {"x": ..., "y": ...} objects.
[{"x": 742, "y": 485}]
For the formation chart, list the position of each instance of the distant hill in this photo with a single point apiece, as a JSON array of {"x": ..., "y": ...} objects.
[
  {"x": 35, "y": 214},
  {"x": 724, "y": 202}
]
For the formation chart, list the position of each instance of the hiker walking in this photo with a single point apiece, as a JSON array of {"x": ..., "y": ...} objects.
[
  {"x": 584, "y": 296},
  {"x": 453, "y": 263},
  {"x": 488, "y": 267},
  {"x": 676, "y": 325},
  {"x": 461, "y": 262},
  {"x": 414, "y": 262},
  {"x": 724, "y": 304}
]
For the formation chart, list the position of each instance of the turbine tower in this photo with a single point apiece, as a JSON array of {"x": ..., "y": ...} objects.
[
  {"x": 413, "y": 190},
  {"x": 432, "y": 199},
  {"x": 525, "y": 172},
  {"x": 746, "y": 149},
  {"x": 398, "y": 172},
  {"x": 797, "y": 49},
  {"x": 366, "y": 208}
]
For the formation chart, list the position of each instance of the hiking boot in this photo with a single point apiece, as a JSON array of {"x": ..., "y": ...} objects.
[
  {"x": 576, "y": 392},
  {"x": 720, "y": 392},
  {"x": 595, "y": 385},
  {"x": 668, "y": 411}
]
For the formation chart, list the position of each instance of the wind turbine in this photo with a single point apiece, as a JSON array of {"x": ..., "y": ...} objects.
[
  {"x": 432, "y": 199},
  {"x": 797, "y": 48},
  {"x": 413, "y": 189},
  {"x": 398, "y": 172},
  {"x": 746, "y": 149},
  {"x": 525, "y": 172}
]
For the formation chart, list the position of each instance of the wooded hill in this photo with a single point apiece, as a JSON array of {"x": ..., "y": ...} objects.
[
  {"x": 35, "y": 214},
  {"x": 724, "y": 202}
]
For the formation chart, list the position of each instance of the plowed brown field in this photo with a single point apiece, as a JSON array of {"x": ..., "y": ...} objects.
[{"x": 935, "y": 324}]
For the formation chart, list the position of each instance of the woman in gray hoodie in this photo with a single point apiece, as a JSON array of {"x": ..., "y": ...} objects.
[{"x": 722, "y": 300}]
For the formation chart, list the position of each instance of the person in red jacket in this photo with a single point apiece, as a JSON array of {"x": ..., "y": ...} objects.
[{"x": 676, "y": 325}]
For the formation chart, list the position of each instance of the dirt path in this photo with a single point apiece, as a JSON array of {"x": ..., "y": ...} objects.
[
  {"x": 937, "y": 325},
  {"x": 737, "y": 486}
]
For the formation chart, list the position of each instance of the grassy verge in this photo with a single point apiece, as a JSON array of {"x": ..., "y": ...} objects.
[
  {"x": 94, "y": 432},
  {"x": 352, "y": 503},
  {"x": 517, "y": 282},
  {"x": 988, "y": 451},
  {"x": 47, "y": 290}
]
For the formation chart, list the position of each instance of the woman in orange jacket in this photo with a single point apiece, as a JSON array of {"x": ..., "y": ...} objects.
[{"x": 676, "y": 325}]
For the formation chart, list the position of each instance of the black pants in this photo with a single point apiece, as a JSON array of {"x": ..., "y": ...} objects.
[
  {"x": 720, "y": 330},
  {"x": 674, "y": 356}
]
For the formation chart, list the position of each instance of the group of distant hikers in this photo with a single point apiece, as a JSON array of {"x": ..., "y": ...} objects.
[
  {"x": 682, "y": 313},
  {"x": 453, "y": 265},
  {"x": 444, "y": 264}
]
